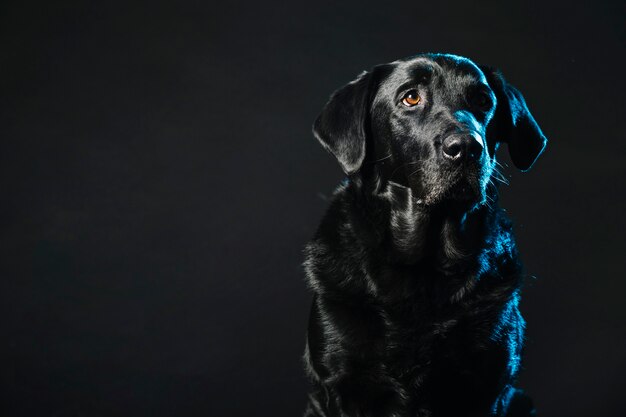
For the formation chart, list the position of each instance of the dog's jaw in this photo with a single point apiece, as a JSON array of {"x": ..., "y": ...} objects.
[{"x": 463, "y": 188}]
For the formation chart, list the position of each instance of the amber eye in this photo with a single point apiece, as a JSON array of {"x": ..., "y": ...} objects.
[{"x": 411, "y": 98}]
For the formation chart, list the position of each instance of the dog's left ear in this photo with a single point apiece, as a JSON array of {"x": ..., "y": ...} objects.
[
  {"x": 512, "y": 122},
  {"x": 340, "y": 127}
]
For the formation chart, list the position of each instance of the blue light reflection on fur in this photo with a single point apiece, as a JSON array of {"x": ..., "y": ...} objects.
[{"x": 511, "y": 327}]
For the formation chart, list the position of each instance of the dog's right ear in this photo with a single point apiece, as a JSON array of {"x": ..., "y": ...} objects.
[{"x": 341, "y": 126}]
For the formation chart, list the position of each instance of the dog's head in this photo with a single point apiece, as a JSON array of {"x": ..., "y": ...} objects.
[{"x": 432, "y": 123}]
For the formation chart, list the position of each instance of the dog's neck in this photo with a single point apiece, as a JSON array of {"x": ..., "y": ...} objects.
[{"x": 412, "y": 233}]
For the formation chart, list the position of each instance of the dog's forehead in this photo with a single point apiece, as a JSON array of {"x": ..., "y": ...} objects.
[{"x": 451, "y": 68}]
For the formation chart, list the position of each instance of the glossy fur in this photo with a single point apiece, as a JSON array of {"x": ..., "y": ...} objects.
[{"x": 414, "y": 269}]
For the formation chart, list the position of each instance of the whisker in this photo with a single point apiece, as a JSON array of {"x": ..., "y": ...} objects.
[
  {"x": 501, "y": 180},
  {"x": 403, "y": 166},
  {"x": 500, "y": 165},
  {"x": 382, "y": 159},
  {"x": 415, "y": 172},
  {"x": 499, "y": 176}
]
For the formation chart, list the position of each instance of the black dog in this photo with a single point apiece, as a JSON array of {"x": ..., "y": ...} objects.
[{"x": 414, "y": 268}]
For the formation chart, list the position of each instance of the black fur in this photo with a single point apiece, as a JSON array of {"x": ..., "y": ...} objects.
[{"x": 414, "y": 269}]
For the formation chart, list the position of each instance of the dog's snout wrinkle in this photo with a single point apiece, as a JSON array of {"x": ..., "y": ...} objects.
[
  {"x": 467, "y": 119},
  {"x": 478, "y": 138}
]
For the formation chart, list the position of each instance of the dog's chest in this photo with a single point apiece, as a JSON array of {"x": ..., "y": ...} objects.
[
  {"x": 420, "y": 327},
  {"x": 411, "y": 330}
]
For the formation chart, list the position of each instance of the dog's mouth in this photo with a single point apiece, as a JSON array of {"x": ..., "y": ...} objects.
[
  {"x": 462, "y": 190},
  {"x": 467, "y": 190},
  {"x": 460, "y": 187}
]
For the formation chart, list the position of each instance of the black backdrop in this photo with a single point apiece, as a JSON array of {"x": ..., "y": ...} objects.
[{"x": 159, "y": 179}]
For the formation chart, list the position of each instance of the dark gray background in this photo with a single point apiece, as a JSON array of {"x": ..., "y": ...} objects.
[{"x": 159, "y": 179}]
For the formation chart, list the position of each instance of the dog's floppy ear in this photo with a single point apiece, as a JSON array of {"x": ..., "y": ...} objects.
[
  {"x": 340, "y": 127},
  {"x": 512, "y": 122}
]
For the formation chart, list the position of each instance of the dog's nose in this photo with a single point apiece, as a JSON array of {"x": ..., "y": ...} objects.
[
  {"x": 458, "y": 148},
  {"x": 452, "y": 148}
]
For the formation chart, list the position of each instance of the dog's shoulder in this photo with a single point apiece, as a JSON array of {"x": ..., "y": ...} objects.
[{"x": 335, "y": 254}]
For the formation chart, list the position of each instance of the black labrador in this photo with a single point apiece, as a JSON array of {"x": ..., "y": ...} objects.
[{"x": 414, "y": 268}]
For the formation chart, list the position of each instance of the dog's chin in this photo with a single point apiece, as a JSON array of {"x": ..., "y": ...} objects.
[{"x": 462, "y": 195}]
